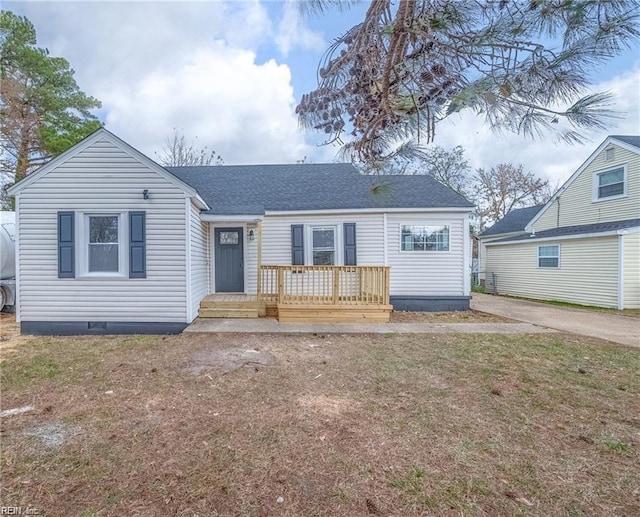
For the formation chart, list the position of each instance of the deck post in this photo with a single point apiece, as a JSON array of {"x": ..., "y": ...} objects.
[
  {"x": 280, "y": 284},
  {"x": 336, "y": 284}
]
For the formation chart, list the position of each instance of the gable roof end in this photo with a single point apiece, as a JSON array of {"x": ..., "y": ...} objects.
[
  {"x": 102, "y": 133},
  {"x": 629, "y": 142}
]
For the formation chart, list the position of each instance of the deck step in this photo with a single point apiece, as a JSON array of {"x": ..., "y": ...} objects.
[
  {"x": 215, "y": 304},
  {"x": 225, "y": 312}
]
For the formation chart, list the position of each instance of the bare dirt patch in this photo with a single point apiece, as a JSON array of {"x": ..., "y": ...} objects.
[
  {"x": 447, "y": 317},
  {"x": 229, "y": 359},
  {"x": 352, "y": 425}
]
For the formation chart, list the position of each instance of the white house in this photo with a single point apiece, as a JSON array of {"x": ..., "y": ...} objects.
[
  {"x": 583, "y": 246},
  {"x": 108, "y": 241}
]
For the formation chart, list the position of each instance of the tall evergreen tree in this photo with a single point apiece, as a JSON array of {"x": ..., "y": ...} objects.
[{"x": 43, "y": 112}]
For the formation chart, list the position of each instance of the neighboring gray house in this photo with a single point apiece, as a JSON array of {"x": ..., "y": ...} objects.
[
  {"x": 583, "y": 245},
  {"x": 108, "y": 241}
]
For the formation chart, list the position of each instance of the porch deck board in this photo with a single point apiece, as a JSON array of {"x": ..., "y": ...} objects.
[{"x": 231, "y": 297}]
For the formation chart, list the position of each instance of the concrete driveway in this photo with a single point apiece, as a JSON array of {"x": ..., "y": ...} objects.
[{"x": 586, "y": 322}]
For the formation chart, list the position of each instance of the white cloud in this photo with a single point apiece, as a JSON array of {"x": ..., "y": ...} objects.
[
  {"x": 293, "y": 31},
  {"x": 242, "y": 110}
]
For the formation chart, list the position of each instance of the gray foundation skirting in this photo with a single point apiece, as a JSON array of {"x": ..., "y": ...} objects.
[
  {"x": 90, "y": 328},
  {"x": 430, "y": 303}
]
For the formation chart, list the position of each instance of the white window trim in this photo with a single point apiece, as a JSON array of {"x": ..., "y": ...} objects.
[
  {"x": 338, "y": 241},
  {"x": 82, "y": 246},
  {"x": 448, "y": 225},
  {"x": 596, "y": 183},
  {"x": 538, "y": 257}
]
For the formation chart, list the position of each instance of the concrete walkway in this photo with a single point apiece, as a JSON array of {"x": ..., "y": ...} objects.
[
  {"x": 624, "y": 330},
  {"x": 272, "y": 326}
]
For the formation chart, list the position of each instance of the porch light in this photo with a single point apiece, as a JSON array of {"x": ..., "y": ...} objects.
[
  {"x": 251, "y": 235},
  {"x": 145, "y": 194}
]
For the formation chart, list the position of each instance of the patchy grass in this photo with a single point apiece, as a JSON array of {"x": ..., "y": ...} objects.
[{"x": 396, "y": 425}]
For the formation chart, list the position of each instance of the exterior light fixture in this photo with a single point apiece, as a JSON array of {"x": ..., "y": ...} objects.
[
  {"x": 145, "y": 194},
  {"x": 251, "y": 235}
]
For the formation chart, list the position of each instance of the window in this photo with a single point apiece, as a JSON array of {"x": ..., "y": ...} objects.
[
  {"x": 103, "y": 244},
  {"x": 549, "y": 256},
  {"x": 425, "y": 238},
  {"x": 229, "y": 237},
  {"x": 611, "y": 183},
  {"x": 323, "y": 246}
]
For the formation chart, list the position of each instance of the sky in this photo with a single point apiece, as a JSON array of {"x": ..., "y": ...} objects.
[{"x": 230, "y": 73}]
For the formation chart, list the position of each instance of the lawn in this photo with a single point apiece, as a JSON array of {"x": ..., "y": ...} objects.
[{"x": 208, "y": 425}]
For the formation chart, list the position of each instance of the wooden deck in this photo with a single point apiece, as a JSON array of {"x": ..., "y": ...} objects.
[
  {"x": 326, "y": 293},
  {"x": 299, "y": 294}
]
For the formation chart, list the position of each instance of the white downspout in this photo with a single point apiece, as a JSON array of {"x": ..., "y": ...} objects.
[{"x": 620, "y": 271}]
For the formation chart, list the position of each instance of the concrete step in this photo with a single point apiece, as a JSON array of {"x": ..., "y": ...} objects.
[{"x": 221, "y": 312}]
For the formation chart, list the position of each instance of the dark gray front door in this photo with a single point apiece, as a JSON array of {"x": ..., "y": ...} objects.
[{"x": 229, "y": 262}]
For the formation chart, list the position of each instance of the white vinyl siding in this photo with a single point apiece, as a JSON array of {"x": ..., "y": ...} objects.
[
  {"x": 576, "y": 204},
  {"x": 427, "y": 273},
  {"x": 251, "y": 259},
  {"x": 199, "y": 233},
  {"x": 102, "y": 178},
  {"x": 412, "y": 274},
  {"x": 631, "y": 271},
  {"x": 276, "y": 240},
  {"x": 588, "y": 272}
]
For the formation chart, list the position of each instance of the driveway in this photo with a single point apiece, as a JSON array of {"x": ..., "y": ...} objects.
[{"x": 586, "y": 322}]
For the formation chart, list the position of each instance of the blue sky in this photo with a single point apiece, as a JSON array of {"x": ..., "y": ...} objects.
[{"x": 231, "y": 73}]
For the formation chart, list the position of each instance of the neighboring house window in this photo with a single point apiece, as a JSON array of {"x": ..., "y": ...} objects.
[
  {"x": 104, "y": 240},
  {"x": 424, "y": 238},
  {"x": 323, "y": 245},
  {"x": 549, "y": 256},
  {"x": 610, "y": 183},
  {"x": 609, "y": 155}
]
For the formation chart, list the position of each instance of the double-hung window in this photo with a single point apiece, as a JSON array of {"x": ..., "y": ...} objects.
[
  {"x": 323, "y": 245},
  {"x": 611, "y": 183},
  {"x": 549, "y": 256},
  {"x": 103, "y": 243},
  {"x": 424, "y": 238}
]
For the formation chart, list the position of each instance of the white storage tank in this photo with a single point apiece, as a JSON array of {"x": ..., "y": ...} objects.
[
  {"x": 7, "y": 259},
  {"x": 7, "y": 245}
]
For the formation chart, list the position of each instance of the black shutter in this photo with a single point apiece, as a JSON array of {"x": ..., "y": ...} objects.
[
  {"x": 350, "y": 244},
  {"x": 66, "y": 245},
  {"x": 297, "y": 244},
  {"x": 137, "y": 245}
]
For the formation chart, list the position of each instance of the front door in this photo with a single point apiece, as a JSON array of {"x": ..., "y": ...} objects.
[{"x": 229, "y": 260}]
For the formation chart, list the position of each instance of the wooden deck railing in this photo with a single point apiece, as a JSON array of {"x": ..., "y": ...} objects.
[{"x": 325, "y": 285}]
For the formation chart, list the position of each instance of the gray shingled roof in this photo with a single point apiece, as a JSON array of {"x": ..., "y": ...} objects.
[
  {"x": 633, "y": 140},
  {"x": 514, "y": 221},
  {"x": 575, "y": 230},
  {"x": 252, "y": 189}
]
